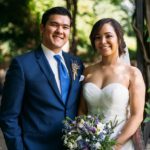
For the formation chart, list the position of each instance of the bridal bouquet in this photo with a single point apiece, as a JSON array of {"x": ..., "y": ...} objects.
[{"x": 88, "y": 133}]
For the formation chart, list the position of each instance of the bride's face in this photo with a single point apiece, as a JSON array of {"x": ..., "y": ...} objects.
[{"x": 106, "y": 41}]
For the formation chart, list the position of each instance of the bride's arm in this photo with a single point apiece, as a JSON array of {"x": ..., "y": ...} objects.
[
  {"x": 82, "y": 110},
  {"x": 137, "y": 101}
]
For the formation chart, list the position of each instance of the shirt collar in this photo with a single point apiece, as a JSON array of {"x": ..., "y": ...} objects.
[{"x": 49, "y": 53}]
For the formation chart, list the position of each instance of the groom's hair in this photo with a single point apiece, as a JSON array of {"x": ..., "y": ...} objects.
[
  {"x": 55, "y": 11},
  {"x": 117, "y": 28}
]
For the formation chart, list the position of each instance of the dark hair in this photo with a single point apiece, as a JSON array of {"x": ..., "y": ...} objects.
[
  {"x": 54, "y": 11},
  {"x": 118, "y": 29}
]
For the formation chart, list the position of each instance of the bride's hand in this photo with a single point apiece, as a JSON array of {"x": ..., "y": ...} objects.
[{"x": 117, "y": 147}]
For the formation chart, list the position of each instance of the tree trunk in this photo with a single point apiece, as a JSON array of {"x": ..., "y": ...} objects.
[
  {"x": 147, "y": 5},
  {"x": 142, "y": 15},
  {"x": 72, "y": 7}
]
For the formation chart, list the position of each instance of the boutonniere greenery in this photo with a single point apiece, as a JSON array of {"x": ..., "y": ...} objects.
[{"x": 75, "y": 68}]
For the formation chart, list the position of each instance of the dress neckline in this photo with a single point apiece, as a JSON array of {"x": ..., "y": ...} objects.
[{"x": 108, "y": 85}]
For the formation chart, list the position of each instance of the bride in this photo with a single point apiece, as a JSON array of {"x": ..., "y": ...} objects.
[{"x": 111, "y": 86}]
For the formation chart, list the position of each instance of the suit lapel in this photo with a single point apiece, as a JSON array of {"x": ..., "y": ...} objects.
[
  {"x": 45, "y": 67},
  {"x": 69, "y": 61},
  {"x": 68, "y": 64}
]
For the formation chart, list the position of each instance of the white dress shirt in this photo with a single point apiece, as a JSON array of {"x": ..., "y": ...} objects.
[{"x": 53, "y": 63}]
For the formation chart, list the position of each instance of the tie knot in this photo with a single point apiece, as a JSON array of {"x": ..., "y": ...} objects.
[{"x": 58, "y": 58}]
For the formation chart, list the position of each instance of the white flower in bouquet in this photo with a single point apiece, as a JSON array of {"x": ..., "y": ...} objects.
[{"x": 88, "y": 133}]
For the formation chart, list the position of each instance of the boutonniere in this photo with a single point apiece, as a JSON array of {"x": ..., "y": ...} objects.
[{"x": 75, "y": 68}]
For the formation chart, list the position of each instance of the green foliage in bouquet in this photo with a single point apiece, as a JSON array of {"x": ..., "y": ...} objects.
[{"x": 88, "y": 133}]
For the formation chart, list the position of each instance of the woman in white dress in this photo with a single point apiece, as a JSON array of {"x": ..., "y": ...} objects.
[{"x": 111, "y": 86}]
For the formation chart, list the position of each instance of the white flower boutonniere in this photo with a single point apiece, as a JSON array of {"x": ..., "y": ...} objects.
[{"x": 75, "y": 68}]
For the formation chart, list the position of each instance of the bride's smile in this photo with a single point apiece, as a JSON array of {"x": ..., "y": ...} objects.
[{"x": 106, "y": 42}]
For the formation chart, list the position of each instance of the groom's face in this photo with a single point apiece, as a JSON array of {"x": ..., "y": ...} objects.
[
  {"x": 55, "y": 33},
  {"x": 106, "y": 40}
]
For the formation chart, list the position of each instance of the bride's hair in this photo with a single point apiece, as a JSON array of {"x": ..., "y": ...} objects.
[{"x": 118, "y": 29}]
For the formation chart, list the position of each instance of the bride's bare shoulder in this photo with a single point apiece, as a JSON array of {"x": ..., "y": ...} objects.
[
  {"x": 135, "y": 73},
  {"x": 90, "y": 68}
]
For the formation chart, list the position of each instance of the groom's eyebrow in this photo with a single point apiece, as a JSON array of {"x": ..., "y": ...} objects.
[{"x": 58, "y": 24}]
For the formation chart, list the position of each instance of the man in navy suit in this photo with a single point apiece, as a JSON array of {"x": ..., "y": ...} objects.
[{"x": 32, "y": 108}]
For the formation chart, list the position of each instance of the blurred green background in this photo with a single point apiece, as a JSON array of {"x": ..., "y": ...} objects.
[{"x": 20, "y": 19}]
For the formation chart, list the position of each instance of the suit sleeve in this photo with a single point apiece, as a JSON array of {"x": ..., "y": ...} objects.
[{"x": 12, "y": 101}]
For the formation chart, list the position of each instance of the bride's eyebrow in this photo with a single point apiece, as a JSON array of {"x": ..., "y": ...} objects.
[{"x": 108, "y": 33}]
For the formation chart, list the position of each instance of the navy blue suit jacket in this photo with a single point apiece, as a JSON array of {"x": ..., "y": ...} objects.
[{"x": 32, "y": 110}]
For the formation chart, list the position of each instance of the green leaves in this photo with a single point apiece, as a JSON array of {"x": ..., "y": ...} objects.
[
  {"x": 89, "y": 132},
  {"x": 147, "y": 110},
  {"x": 148, "y": 40}
]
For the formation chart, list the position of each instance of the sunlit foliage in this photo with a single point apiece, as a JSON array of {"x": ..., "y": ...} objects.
[{"x": 19, "y": 25}]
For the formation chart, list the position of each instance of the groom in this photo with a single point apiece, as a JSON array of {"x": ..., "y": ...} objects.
[{"x": 42, "y": 87}]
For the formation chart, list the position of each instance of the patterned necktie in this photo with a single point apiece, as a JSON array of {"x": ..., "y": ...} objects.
[{"x": 63, "y": 77}]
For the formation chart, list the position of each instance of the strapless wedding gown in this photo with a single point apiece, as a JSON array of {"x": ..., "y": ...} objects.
[{"x": 111, "y": 101}]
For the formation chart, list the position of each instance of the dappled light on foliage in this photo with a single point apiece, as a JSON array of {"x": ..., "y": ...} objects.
[{"x": 19, "y": 27}]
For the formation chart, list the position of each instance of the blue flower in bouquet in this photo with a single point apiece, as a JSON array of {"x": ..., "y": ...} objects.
[{"x": 88, "y": 133}]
